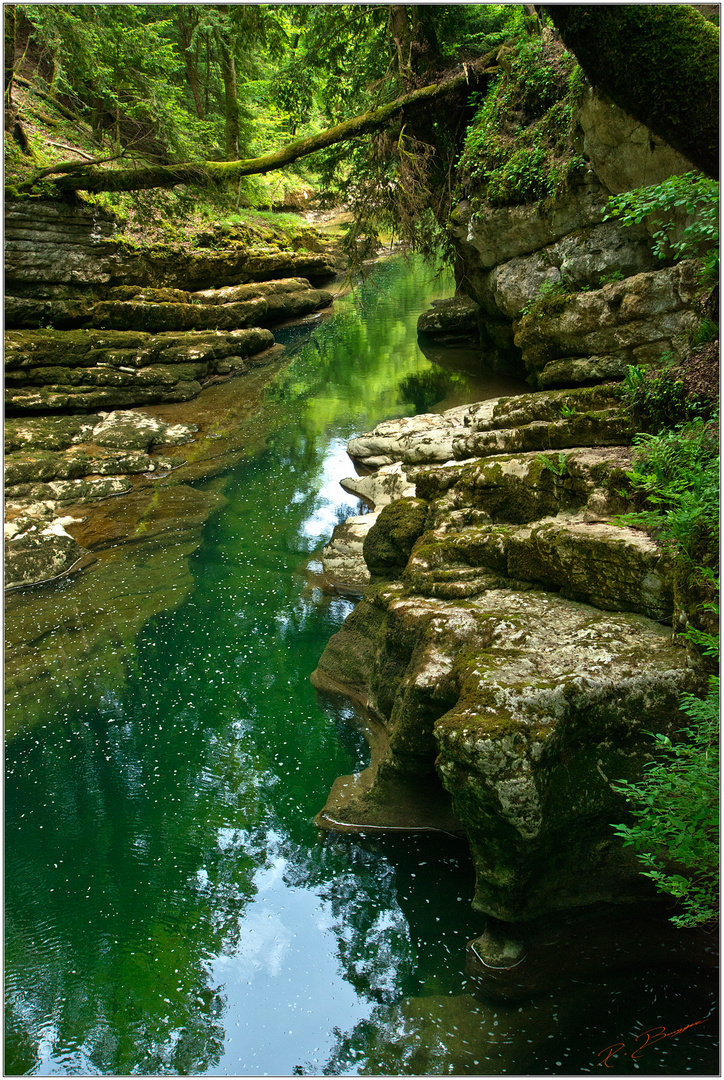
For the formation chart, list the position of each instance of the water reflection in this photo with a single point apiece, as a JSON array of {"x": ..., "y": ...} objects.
[{"x": 170, "y": 907}]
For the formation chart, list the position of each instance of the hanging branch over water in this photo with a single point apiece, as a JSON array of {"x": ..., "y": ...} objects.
[{"x": 75, "y": 176}]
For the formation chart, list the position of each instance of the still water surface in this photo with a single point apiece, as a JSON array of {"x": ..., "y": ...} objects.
[{"x": 170, "y": 907}]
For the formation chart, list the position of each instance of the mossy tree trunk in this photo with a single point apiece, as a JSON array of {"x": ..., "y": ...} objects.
[
  {"x": 187, "y": 20},
  {"x": 73, "y": 176},
  {"x": 231, "y": 99},
  {"x": 659, "y": 62}
]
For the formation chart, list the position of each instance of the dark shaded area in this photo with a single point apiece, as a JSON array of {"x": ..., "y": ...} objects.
[{"x": 659, "y": 62}]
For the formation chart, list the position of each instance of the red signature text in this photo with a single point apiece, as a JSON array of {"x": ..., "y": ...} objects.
[{"x": 653, "y": 1035}]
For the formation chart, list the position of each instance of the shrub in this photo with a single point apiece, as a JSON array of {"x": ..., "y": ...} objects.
[
  {"x": 676, "y": 479},
  {"x": 696, "y": 194},
  {"x": 676, "y": 813}
]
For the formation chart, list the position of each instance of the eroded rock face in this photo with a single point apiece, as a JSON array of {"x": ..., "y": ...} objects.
[
  {"x": 635, "y": 321},
  {"x": 509, "y": 256},
  {"x": 342, "y": 558},
  {"x": 126, "y": 307},
  {"x": 515, "y": 642}
]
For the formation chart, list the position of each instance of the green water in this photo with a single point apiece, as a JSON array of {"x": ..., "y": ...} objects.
[{"x": 170, "y": 907}]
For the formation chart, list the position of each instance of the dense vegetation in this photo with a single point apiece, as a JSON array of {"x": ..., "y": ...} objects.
[
  {"x": 675, "y": 484},
  {"x": 214, "y": 96}
]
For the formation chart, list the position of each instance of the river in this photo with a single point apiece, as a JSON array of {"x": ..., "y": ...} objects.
[{"x": 170, "y": 907}]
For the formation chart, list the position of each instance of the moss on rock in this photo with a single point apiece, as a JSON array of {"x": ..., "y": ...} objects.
[{"x": 389, "y": 542}]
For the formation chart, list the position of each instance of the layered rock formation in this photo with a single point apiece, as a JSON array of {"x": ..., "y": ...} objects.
[
  {"x": 563, "y": 295},
  {"x": 69, "y": 275},
  {"x": 96, "y": 325},
  {"x": 57, "y": 251},
  {"x": 514, "y": 644}
]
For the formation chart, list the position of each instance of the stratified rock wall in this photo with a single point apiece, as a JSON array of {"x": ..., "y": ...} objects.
[
  {"x": 53, "y": 250},
  {"x": 564, "y": 296},
  {"x": 95, "y": 323}
]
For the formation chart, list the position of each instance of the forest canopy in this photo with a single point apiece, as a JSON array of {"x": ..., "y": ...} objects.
[{"x": 370, "y": 103}]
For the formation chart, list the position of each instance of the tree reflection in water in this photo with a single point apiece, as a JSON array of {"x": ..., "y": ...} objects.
[{"x": 170, "y": 906}]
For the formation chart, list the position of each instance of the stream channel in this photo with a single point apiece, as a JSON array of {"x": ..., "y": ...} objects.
[{"x": 170, "y": 906}]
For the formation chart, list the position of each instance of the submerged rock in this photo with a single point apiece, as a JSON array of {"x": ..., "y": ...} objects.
[
  {"x": 54, "y": 463},
  {"x": 38, "y": 552}
]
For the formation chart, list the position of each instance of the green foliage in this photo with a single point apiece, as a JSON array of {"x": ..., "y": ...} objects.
[
  {"x": 676, "y": 813},
  {"x": 657, "y": 399},
  {"x": 607, "y": 279},
  {"x": 557, "y": 467},
  {"x": 552, "y": 295},
  {"x": 706, "y": 331},
  {"x": 117, "y": 61},
  {"x": 521, "y": 144},
  {"x": 675, "y": 479},
  {"x": 692, "y": 194}
]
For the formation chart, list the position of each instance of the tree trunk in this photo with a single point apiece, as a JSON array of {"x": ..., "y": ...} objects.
[
  {"x": 72, "y": 176},
  {"x": 9, "y": 45},
  {"x": 231, "y": 103},
  {"x": 398, "y": 27},
  {"x": 659, "y": 62},
  {"x": 231, "y": 100},
  {"x": 191, "y": 61},
  {"x": 412, "y": 30}
]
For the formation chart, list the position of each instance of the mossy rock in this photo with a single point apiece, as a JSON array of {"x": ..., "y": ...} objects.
[{"x": 389, "y": 542}]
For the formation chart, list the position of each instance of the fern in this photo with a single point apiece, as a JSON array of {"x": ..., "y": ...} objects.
[{"x": 676, "y": 811}]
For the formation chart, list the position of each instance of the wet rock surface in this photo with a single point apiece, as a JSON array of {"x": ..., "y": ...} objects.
[
  {"x": 54, "y": 463},
  {"x": 98, "y": 326},
  {"x": 514, "y": 642},
  {"x": 451, "y": 321},
  {"x": 84, "y": 370}
]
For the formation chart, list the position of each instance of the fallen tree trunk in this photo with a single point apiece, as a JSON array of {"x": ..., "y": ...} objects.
[{"x": 75, "y": 176}]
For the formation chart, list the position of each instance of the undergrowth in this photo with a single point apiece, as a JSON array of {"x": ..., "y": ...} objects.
[
  {"x": 521, "y": 145},
  {"x": 675, "y": 806},
  {"x": 676, "y": 811}
]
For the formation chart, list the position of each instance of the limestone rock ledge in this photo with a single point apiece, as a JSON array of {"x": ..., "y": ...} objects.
[
  {"x": 56, "y": 462},
  {"x": 343, "y": 557},
  {"x": 82, "y": 370},
  {"x": 514, "y": 645}
]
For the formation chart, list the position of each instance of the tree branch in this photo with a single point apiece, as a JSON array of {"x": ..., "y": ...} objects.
[{"x": 88, "y": 178}]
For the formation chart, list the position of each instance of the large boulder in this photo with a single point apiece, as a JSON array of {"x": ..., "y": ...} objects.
[{"x": 451, "y": 321}]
